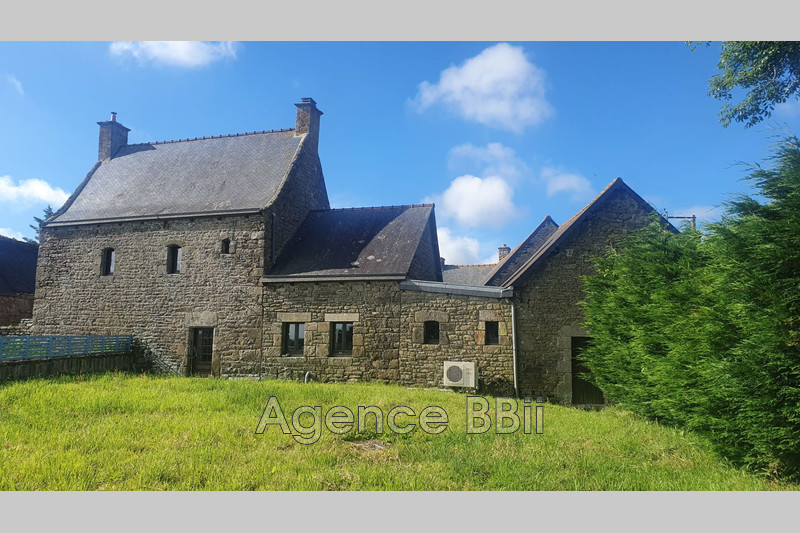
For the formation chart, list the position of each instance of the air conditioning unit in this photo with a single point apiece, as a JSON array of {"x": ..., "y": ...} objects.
[{"x": 459, "y": 374}]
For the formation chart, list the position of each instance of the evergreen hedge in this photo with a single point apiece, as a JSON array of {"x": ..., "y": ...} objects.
[{"x": 701, "y": 329}]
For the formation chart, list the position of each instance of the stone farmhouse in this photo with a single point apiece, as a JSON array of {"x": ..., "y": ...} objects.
[{"x": 222, "y": 256}]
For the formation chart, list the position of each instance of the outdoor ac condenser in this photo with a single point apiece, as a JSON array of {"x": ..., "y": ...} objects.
[{"x": 459, "y": 374}]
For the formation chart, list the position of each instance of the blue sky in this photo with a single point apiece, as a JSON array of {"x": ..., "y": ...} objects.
[{"x": 498, "y": 135}]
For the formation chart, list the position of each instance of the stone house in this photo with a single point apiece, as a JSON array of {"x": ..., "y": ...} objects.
[
  {"x": 17, "y": 280},
  {"x": 221, "y": 255}
]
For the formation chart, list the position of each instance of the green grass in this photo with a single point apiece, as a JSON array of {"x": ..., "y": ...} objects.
[{"x": 128, "y": 432}]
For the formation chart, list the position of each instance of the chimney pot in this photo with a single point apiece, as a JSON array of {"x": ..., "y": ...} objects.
[{"x": 113, "y": 116}]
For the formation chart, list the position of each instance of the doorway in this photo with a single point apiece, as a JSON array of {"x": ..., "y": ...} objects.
[
  {"x": 583, "y": 392},
  {"x": 201, "y": 344}
]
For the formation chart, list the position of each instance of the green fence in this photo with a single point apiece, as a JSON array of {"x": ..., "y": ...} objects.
[{"x": 45, "y": 347}]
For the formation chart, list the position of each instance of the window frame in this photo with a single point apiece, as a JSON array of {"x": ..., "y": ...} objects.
[
  {"x": 107, "y": 260},
  {"x": 428, "y": 332},
  {"x": 286, "y": 342},
  {"x": 174, "y": 257},
  {"x": 346, "y": 348}
]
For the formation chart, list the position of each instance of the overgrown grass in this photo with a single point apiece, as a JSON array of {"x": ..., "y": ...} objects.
[{"x": 128, "y": 432}]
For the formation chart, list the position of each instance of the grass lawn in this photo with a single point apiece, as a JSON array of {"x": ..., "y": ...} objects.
[{"x": 129, "y": 432}]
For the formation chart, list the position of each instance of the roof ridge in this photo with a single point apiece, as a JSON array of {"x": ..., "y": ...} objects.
[
  {"x": 206, "y": 137},
  {"x": 370, "y": 208},
  {"x": 471, "y": 266}
]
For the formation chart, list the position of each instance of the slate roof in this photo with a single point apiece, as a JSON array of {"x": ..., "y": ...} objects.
[
  {"x": 466, "y": 274},
  {"x": 17, "y": 266},
  {"x": 233, "y": 173},
  {"x": 370, "y": 241},
  {"x": 510, "y": 263},
  {"x": 565, "y": 229}
]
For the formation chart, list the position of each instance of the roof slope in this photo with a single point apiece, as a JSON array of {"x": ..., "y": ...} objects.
[
  {"x": 521, "y": 253},
  {"x": 371, "y": 241},
  {"x": 17, "y": 266},
  {"x": 565, "y": 229},
  {"x": 466, "y": 274},
  {"x": 216, "y": 174}
]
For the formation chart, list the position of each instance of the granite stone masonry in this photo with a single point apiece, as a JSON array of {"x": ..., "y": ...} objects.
[{"x": 222, "y": 257}]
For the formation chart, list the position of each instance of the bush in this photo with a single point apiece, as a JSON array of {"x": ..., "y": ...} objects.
[{"x": 703, "y": 330}]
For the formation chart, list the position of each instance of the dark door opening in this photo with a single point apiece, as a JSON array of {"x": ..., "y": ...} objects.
[
  {"x": 201, "y": 343},
  {"x": 583, "y": 392}
]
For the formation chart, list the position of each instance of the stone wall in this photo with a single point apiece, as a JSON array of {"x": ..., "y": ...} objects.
[
  {"x": 303, "y": 190},
  {"x": 216, "y": 290},
  {"x": 461, "y": 338},
  {"x": 14, "y": 308},
  {"x": 372, "y": 306},
  {"x": 548, "y": 296}
]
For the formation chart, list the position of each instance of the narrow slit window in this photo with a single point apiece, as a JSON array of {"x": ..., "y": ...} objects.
[
  {"x": 107, "y": 262},
  {"x": 174, "y": 259},
  {"x": 431, "y": 332},
  {"x": 342, "y": 338},
  {"x": 492, "y": 333},
  {"x": 293, "y": 338},
  {"x": 225, "y": 246}
]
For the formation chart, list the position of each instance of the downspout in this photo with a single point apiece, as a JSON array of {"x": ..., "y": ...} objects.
[{"x": 514, "y": 344}]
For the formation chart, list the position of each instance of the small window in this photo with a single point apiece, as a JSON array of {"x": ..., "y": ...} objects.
[
  {"x": 107, "y": 262},
  {"x": 173, "y": 259},
  {"x": 431, "y": 332},
  {"x": 492, "y": 333},
  {"x": 341, "y": 338},
  {"x": 225, "y": 246},
  {"x": 293, "y": 338}
]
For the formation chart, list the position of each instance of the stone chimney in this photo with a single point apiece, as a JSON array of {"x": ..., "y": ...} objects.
[
  {"x": 113, "y": 136},
  {"x": 503, "y": 251},
  {"x": 308, "y": 121}
]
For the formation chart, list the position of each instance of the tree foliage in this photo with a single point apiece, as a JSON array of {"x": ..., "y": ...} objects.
[
  {"x": 702, "y": 330},
  {"x": 48, "y": 212},
  {"x": 768, "y": 70}
]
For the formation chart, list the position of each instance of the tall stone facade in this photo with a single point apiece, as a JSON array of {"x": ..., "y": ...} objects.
[
  {"x": 218, "y": 285},
  {"x": 549, "y": 293}
]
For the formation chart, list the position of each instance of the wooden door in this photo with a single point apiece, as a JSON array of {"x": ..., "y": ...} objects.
[{"x": 200, "y": 348}]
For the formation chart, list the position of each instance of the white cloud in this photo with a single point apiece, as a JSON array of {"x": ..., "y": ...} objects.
[
  {"x": 188, "y": 54},
  {"x": 16, "y": 84},
  {"x": 474, "y": 201},
  {"x": 31, "y": 191},
  {"x": 457, "y": 250},
  {"x": 559, "y": 181},
  {"x": 499, "y": 88},
  {"x": 495, "y": 159},
  {"x": 8, "y": 232}
]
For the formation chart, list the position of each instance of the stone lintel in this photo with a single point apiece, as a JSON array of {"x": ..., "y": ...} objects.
[
  {"x": 341, "y": 317},
  {"x": 294, "y": 317}
]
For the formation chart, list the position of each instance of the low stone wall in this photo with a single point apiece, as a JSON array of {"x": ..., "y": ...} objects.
[
  {"x": 462, "y": 321},
  {"x": 85, "y": 364},
  {"x": 372, "y": 306}
]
